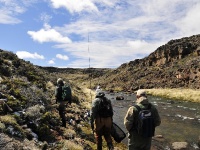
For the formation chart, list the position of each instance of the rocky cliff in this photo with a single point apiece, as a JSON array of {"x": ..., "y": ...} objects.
[{"x": 173, "y": 65}]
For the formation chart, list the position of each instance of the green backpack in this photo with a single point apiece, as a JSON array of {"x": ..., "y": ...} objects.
[{"x": 66, "y": 93}]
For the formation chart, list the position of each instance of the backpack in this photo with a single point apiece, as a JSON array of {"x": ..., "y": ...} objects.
[
  {"x": 66, "y": 93},
  {"x": 105, "y": 109},
  {"x": 145, "y": 122}
]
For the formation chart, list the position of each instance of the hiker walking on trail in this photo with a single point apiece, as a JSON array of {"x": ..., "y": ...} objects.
[
  {"x": 63, "y": 97},
  {"x": 101, "y": 119},
  {"x": 140, "y": 121}
]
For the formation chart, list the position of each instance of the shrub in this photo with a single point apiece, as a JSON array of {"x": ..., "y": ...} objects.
[
  {"x": 11, "y": 126},
  {"x": 69, "y": 145},
  {"x": 35, "y": 112},
  {"x": 5, "y": 71}
]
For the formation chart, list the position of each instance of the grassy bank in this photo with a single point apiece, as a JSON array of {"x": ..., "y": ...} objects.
[{"x": 177, "y": 94}]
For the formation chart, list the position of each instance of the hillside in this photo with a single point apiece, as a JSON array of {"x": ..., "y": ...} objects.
[
  {"x": 33, "y": 122},
  {"x": 173, "y": 65}
]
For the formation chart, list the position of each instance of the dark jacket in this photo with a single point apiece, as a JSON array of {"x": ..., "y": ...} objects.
[
  {"x": 58, "y": 92},
  {"x": 96, "y": 119}
]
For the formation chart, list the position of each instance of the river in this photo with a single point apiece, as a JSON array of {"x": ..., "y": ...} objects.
[{"x": 180, "y": 119}]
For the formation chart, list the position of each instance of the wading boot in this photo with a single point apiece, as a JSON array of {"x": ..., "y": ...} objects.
[{"x": 110, "y": 146}]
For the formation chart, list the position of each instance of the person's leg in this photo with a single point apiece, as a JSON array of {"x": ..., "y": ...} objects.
[
  {"x": 98, "y": 136},
  {"x": 107, "y": 136},
  {"x": 139, "y": 145},
  {"x": 61, "y": 110}
]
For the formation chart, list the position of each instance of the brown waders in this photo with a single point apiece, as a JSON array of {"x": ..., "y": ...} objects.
[{"x": 102, "y": 127}]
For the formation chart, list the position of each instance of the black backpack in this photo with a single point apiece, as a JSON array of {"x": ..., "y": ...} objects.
[
  {"x": 145, "y": 125},
  {"x": 105, "y": 108}
]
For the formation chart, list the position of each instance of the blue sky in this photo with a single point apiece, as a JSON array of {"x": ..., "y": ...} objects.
[{"x": 55, "y": 32}]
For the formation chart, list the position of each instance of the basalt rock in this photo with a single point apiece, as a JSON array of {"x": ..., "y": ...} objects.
[{"x": 173, "y": 65}]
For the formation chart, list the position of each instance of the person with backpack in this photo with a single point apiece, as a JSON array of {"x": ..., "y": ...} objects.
[
  {"x": 140, "y": 121},
  {"x": 63, "y": 97},
  {"x": 101, "y": 114}
]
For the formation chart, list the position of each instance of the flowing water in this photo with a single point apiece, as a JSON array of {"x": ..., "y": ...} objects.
[{"x": 180, "y": 119}]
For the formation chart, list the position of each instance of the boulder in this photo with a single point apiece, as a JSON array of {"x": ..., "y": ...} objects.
[
  {"x": 179, "y": 145},
  {"x": 119, "y": 98}
]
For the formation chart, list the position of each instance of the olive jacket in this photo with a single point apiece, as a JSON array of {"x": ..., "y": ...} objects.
[{"x": 136, "y": 141}]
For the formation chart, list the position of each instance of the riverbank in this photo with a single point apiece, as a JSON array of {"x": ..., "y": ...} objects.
[{"x": 191, "y": 95}]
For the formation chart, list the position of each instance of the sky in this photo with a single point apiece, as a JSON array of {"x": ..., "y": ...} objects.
[{"x": 93, "y": 33}]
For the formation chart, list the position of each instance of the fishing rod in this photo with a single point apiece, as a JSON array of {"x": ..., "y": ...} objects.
[{"x": 90, "y": 74}]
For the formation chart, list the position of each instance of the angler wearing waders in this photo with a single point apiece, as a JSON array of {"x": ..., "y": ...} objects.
[
  {"x": 140, "y": 121},
  {"x": 101, "y": 119},
  {"x": 63, "y": 97}
]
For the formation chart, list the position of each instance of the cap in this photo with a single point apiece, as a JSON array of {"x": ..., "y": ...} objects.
[
  {"x": 59, "y": 81},
  {"x": 141, "y": 92},
  {"x": 100, "y": 94}
]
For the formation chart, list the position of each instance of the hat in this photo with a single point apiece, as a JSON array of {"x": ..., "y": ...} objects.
[
  {"x": 141, "y": 92},
  {"x": 100, "y": 94},
  {"x": 59, "y": 81}
]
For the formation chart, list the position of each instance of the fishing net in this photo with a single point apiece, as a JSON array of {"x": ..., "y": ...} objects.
[{"x": 117, "y": 133}]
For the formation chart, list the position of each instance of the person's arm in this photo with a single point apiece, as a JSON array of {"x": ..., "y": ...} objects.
[
  {"x": 56, "y": 94},
  {"x": 70, "y": 100},
  {"x": 111, "y": 108},
  {"x": 129, "y": 119},
  {"x": 93, "y": 113},
  {"x": 157, "y": 117}
]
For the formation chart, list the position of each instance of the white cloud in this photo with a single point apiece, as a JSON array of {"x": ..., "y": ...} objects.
[
  {"x": 190, "y": 23},
  {"x": 6, "y": 18},
  {"x": 45, "y": 17},
  {"x": 107, "y": 53},
  {"x": 47, "y": 34},
  {"x": 51, "y": 62},
  {"x": 75, "y": 5},
  {"x": 25, "y": 54},
  {"x": 63, "y": 57},
  {"x": 143, "y": 47},
  {"x": 9, "y": 9}
]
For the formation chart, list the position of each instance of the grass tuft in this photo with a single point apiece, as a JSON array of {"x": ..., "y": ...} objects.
[{"x": 177, "y": 94}]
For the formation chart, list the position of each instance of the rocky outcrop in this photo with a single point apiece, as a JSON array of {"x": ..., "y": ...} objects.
[
  {"x": 173, "y": 65},
  {"x": 174, "y": 50}
]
